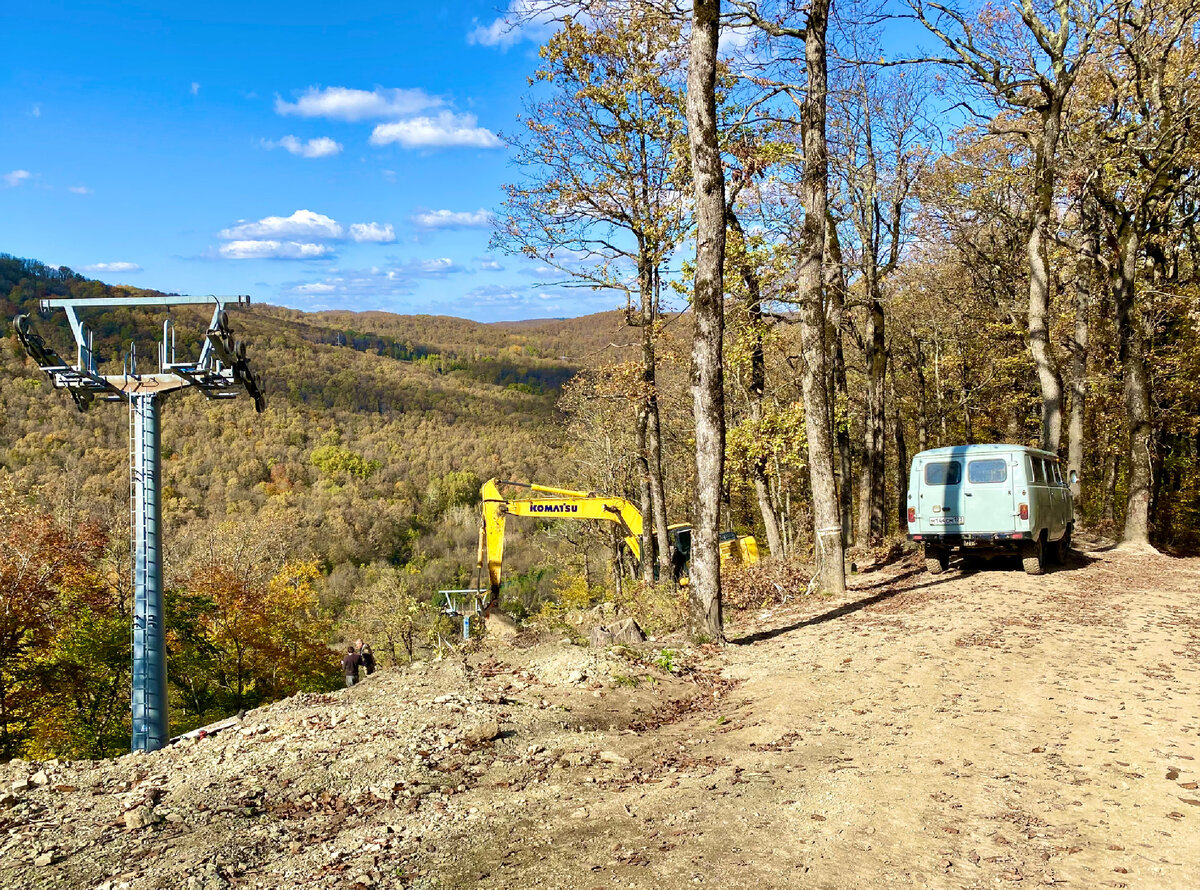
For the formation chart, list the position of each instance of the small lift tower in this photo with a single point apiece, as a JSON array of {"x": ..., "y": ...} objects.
[{"x": 219, "y": 372}]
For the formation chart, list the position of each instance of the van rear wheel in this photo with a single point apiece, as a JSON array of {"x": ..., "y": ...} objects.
[
  {"x": 937, "y": 559},
  {"x": 1033, "y": 557}
]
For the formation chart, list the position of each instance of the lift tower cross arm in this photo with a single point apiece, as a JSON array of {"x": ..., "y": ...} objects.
[{"x": 219, "y": 371}]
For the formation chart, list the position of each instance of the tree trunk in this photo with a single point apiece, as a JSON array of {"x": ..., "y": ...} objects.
[
  {"x": 645, "y": 504},
  {"x": 708, "y": 393},
  {"x": 1132, "y": 355},
  {"x": 1084, "y": 281},
  {"x": 658, "y": 494},
  {"x": 1044, "y": 361},
  {"x": 873, "y": 414},
  {"x": 655, "y": 519},
  {"x": 922, "y": 401},
  {"x": 757, "y": 390},
  {"x": 835, "y": 290},
  {"x": 901, "y": 462},
  {"x": 1108, "y": 509},
  {"x": 814, "y": 195}
]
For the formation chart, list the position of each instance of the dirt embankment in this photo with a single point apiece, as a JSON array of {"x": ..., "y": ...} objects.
[{"x": 966, "y": 730}]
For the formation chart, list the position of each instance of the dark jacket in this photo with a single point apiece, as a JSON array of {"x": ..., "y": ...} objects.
[
  {"x": 368, "y": 659},
  {"x": 350, "y": 664}
]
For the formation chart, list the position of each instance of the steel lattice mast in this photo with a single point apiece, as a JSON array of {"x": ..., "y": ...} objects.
[{"x": 220, "y": 370}]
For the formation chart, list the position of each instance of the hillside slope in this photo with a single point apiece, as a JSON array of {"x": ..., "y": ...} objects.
[{"x": 974, "y": 729}]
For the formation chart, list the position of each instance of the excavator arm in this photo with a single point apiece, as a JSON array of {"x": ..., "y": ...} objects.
[{"x": 565, "y": 504}]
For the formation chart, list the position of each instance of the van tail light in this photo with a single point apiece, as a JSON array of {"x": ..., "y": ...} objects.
[
  {"x": 1024, "y": 511},
  {"x": 912, "y": 514}
]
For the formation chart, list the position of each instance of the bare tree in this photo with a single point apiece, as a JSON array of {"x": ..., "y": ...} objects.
[
  {"x": 708, "y": 298},
  {"x": 1026, "y": 62},
  {"x": 599, "y": 196},
  {"x": 1142, "y": 145},
  {"x": 813, "y": 195}
]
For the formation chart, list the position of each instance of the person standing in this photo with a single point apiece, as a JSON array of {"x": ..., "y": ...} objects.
[
  {"x": 350, "y": 665},
  {"x": 368, "y": 658}
]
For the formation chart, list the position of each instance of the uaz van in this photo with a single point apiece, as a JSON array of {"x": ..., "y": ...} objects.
[{"x": 990, "y": 499}]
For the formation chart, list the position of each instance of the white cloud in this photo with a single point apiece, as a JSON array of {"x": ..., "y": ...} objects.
[
  {"x": 444, "y": 131},
  {"x": 489, "y": 265},
  {"x": 16, "y": 177},
  {"x": 377, "y": 233},
  {"x": 195, "y": 88},
  {"x": 36, "y": 111},
  {"x": 389, "y": 280},
  {"x": 492, "y": 294},
  {"x": 321, "y": 147},
  {"x": 451, "y": 219},
  {"x": 301, "y": 224},
  {"x": 532, "y": 20},
  {"x": 79, "y": 189},
  {"x": 113, "y": 267},
  {"x": 274, "y": 250},
  {"x": 344, "y": 104},
  {"x": 436, "y": 267}
]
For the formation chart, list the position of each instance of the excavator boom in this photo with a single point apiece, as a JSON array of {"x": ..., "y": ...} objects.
[{"x": 569, "y": 503}]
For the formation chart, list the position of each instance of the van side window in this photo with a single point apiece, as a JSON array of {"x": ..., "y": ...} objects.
[
  {"x": 994, "y": 469},
  {"x": 1058, "y": 479},
  {"x": 945, "y": 472},
  {"x": 1039, "y": 471}
]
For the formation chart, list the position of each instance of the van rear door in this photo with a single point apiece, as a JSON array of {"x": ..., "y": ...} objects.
[
  {"x": 939, "y": 502},
  {"x": 988, "y": 501}
]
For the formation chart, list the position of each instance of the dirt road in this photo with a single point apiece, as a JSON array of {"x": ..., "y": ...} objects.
[
  {"x": 966, "y": 730},
  {"x": 974, "y": 729}
]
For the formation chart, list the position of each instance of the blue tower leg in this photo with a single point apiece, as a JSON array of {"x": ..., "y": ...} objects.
[{"x": 149, "y": 693}]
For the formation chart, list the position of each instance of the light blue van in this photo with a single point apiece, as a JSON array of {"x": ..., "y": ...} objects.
[{"x": 990, "y": 500}]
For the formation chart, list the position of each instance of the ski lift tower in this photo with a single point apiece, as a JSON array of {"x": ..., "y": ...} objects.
[{"x": 219, "y": 372}]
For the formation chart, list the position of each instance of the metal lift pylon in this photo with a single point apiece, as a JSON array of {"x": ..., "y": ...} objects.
[{"x": 221, "y": 369}]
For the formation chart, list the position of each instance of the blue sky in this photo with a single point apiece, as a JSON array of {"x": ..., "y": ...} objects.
[{"x": 311, "y": 155}]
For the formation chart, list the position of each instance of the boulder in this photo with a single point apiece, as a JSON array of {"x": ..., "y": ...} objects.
[{"x": 484, "y": 732}]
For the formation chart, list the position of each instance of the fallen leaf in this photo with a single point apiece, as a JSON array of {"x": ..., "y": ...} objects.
[{"x": 1172, "y": 774}]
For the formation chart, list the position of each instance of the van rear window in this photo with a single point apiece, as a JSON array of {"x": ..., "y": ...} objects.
[
  {"x": 945, "y": 472},
  {"x": 994, "y": 469}
]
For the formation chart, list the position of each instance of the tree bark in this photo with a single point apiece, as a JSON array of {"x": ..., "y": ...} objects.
[
  {"x": 757, "y": 392},
  {"x": 875, "y": 351},
  {"x": 901, "y": 462},
  {"x": 922, "y": 400},
  {"x": 1049, "y": 379},
  {"x": 814, "y": 196},
  {"x": 658, "y": 493},
  {"x": 1132, "y": 354},
  {"x": 835, "y": 291},
  {"x": 645, "y": 504},
  {"x": 1084, "y": 281},
  {"x": 707, "y": 381},
  {"x": 654, "y": 512}
]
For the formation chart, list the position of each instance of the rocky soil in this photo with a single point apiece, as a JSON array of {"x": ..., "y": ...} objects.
[{"x": 980, "y": 728}]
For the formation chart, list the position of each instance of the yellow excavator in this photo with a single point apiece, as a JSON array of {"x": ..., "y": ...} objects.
[{"x": 565, "y": 503}]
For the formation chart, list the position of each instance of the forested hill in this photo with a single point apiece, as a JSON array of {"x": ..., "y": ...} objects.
[{"x": 418, "y": 396}]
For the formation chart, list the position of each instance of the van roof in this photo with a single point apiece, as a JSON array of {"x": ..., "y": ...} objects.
[{"x": 960, "y": 450}]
